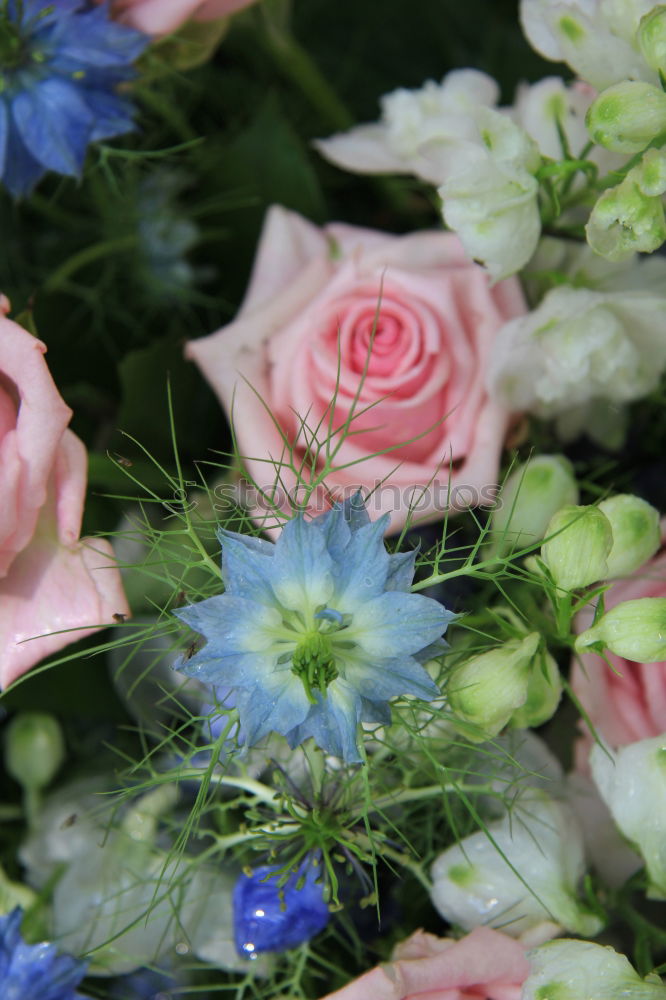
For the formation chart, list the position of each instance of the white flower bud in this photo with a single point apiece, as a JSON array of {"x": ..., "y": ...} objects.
[
  {"x": 629, "y": 218},
  {"x": 632, "y": 783},
  {"x": 529, "y": 498},
  {"x": 582, "y": 970},
  {"x": 627, "y": 116},
  {"x": 651, "y": 38},
  {"x": 485, "y": 690},
  {"x": 577, "y": 552},
  {"x": 34, "y": 749},
  {"x": 544, "y": 690},
  {"x": 635, "y": 630},
  {"x": 479, "y": 881},
  {"x": 636, "y": 534}
]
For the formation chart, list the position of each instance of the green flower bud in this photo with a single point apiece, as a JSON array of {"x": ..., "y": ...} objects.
[
  {"x": 34, "y": 749},
  {"x": 529, "y": 498},
  {"x": 635, "y": 630},
  {"x": 630, "y": 217},
  {"x": 544, "y": 690},
  {"x": 651, "y": 38},
  {"x": 627, "y": 116},
  {"x": 577, "y": 552},
  {"x": 636, "y": 534},
  {"x": 486, "y": 690}
]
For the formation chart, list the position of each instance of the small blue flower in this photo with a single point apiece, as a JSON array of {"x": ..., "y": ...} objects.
[
  {"x": 34, "y": 971},
  {"x": 270, "y": 918},
  {"x": 60, "y": 66},
  {"x": 315, "y": 633}
]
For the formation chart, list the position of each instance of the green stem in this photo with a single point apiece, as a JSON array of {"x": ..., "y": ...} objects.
[
  {"x": 255, "y": 788},
  {"x": 428, "y": 791},
  {"x": 88, "y": 256},
  {"x": 297, "y": 65}
]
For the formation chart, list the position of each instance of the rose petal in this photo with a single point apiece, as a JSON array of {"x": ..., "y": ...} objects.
[{"x": 52, "y": 587}]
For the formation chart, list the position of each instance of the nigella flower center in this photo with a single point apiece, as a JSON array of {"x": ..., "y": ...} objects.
[
  {"x": 314, "y": 657},
  {"x": 313, "y": 661},
  {"x": 14, "y": 51}
]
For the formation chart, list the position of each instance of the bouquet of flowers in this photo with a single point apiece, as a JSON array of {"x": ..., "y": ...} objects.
[{"x": 333, "y": 549}]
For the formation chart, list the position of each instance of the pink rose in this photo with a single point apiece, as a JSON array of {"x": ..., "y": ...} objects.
[
  {"x": 314, "y": 292},
  {"x": 161, "y": 17},
  {"x": 628, "y": 702},
  {"x": 484, "y": 965},
  {"x": 49, "y": 580}
]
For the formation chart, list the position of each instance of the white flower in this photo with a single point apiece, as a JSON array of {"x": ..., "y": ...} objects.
[
  {"x": 539, "y": 106},
  {"x": 581, "y": 970},
  {"x": 578, "y": 346},
  {"x": 523, "y": 880},
  {"x": 632, "y": 783},
  {"x": 597, "y": 38},
  {"x": 414, "y": 126},
  {"x": 450, "y": 134},
  {"x": 490, "y": 194}
]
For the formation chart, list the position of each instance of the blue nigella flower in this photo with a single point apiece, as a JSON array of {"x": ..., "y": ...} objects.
[
  {"x": 30, "y": 971},
  {"x": 270, "y": 918},
  {"x": 316, "y": 632},
  {"x": 60, "y": 66}
]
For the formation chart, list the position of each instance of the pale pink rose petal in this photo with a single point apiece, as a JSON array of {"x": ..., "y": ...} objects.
[
  {"x": 161, "y": 17},
  {"x": 287, "y": 244},
  {"x": 484, "y": 964},
  {"x": 54, "y": 586},
  {"x": 30, "y": 439},
  {"x": 421, "y": 944},
  {"x": 481, "y": 957},
  {"x": 628, "y": 703},
  {"x": 210, "y": 10}
]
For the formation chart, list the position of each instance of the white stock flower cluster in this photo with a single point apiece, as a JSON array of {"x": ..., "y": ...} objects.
[{"x": 483, "y": 159}]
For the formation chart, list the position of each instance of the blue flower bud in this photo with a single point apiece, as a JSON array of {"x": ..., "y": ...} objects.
[{"x": 268, "y": 917}]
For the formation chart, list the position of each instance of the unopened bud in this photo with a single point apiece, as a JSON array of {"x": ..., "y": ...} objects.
[
  {"x": 651, "y": 38},
  {"x": 529, "y": 498},
  {"x": 577, "y": 552},
  {"x": 629, "y": 218},
  {"x": 544, "y": 690},
  {"x": 34, "y": 749},
  {"x": 485, "y": 690},
  {"x": 635, "y": 630},
  {"x": 627, "y": 116},
  {"x": 636, "y": 534}
]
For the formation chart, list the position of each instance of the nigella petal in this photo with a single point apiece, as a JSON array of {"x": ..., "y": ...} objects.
[
  {"x": 232, "y": 624},
  {"x": 401, "y": 570},
  {"x": 278, "y": 704},
  {"x": 245, "y": 568},
  {"x": 235, "y": 671},
  {"x": 396, "y": 623},
  {"x": 22, "y": 170},
  {"x": 98, "y": 41},
  {"x": 301, "y": 570},
  {"x": 113, "y": 115},
  {"x": 361, "y": 574},
  {"x": 383, "y": 679},
  {"x": 55, "y": 124},
  {"x": 333, "y": 722}
]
